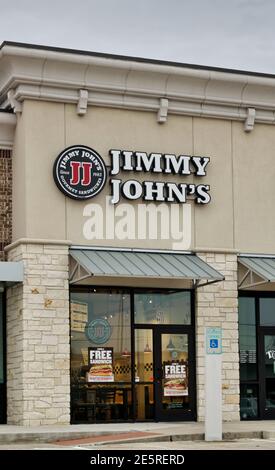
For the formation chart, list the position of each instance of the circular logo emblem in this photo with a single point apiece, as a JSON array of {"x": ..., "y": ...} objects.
[
  {"x": 98, "y": 331},
  {"x": 79, "y": 172}
]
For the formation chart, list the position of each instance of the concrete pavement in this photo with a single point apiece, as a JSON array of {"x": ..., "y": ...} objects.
[
  {"x": 134, "y": 432},
  {"x": 239, "y": 444}
]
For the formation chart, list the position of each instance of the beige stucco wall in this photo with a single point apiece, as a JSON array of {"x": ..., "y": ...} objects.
[
  {"x": 254, "y": 173},
  {"x": 238, "y": 217}
]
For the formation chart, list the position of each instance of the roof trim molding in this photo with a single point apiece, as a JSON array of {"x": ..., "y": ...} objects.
[
  {"x": 36, "y": 241},
  {"x": 130, "y": 83},
  {"x": 131, "y": 58}
]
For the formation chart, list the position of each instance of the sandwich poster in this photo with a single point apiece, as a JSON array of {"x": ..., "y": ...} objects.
[
  {"x": 175, "y": 379},
  {"x": 101, "y": 365}
]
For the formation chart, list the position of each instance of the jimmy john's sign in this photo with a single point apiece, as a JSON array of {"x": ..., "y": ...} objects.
[
  {"x": 80, "y": 173},
  {"x": 100, "y": 365}
]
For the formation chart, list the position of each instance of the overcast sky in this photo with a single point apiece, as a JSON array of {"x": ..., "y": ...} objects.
[{"x": 237, "y": 34}]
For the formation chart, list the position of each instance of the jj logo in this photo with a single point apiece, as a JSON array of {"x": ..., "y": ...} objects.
[
  {"x": 79, "y": 172},
  {"x": 86, "y": 173}
]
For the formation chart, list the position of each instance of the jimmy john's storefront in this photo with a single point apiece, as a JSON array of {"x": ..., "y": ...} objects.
[
  {"x": 133, "y": 354},
  {"x": 137, "y": 217}
]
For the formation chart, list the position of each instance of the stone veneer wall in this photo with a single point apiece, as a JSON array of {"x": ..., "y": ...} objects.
[
  {"x": 217, "y": 305},
  {"x": 38, "y": 348}
]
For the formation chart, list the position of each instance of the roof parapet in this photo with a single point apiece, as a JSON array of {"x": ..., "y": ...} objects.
[{"x": 93, "y": 79}]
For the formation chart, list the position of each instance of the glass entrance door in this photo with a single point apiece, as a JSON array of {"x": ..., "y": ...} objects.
[
  {"x": 267, "y": 351},
  {"x": 174, "y": 372},
  {"x": 164, "y": 374}
]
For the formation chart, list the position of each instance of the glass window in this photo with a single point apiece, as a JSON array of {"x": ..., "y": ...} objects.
[
  {"x": 144, "y": 372},
  {"x": 1, "y": 342},
  {"x": 100, "y": 320},
  {"x": 144, "y": 401},
  {"x": 247, "y": 340},
  {"x": 100, "y": 355},
  {"x": 267, "y": 311},
  {"x": 249, "y": 401},
  {"x": 163, "y": 308},
  {"x": 143, "y": 356},
  {"x": 269, "y": 372},
  {"x": 101, "y": 403}
]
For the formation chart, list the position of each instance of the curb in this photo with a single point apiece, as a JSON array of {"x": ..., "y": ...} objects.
[
  {"x": 49, "y": 436},
  {"x": 227, "y": 436}
]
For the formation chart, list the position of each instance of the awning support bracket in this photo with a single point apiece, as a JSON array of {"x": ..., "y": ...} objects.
[
  {"x": 77, "y": 272},
  {"x": 244, "y": 278},
  {"x": 249, "y": 279},
  {"x": 255, "y": 284},
  {"x": 196, "y": 283}
]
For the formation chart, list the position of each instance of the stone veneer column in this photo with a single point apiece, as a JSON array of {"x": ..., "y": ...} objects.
[
  {"x": 38, "y": 345},
  {"x": 217, "y": 305}
]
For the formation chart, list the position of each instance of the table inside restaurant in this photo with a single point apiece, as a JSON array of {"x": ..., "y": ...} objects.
[{"x": 101, "y": 403}]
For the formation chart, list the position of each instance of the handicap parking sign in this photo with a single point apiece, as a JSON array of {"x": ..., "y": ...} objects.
[
  {"x": 214, "y": 343},
  {"x": 213, "y": 340}
]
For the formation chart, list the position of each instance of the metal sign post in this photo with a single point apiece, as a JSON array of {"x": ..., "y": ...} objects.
[{"x": 213, "y": 384}]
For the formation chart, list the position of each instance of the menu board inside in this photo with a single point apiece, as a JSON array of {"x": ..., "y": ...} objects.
[
  {"x": 248, "y": 356},
  {"x": 79, "y": 316}
]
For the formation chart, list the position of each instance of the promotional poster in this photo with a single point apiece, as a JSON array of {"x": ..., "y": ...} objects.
[
  {"x": 100, "y": 365},
  {"x": 175, "y": 379}
]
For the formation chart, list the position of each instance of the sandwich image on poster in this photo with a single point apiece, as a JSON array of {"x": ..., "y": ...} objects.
[
  {"x": 175, "y": 379},
  {"x": 100, "y": 365}
]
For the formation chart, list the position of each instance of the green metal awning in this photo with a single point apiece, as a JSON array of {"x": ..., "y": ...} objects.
[
  {"x": 140, "y": 264},
  {"x": 258, "y": 270}
]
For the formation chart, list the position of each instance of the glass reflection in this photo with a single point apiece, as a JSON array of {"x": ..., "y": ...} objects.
[
  {"x": 163, "y": 308},
  {"x": 143, "y": 356},
  {"x": 100, "y": 319},
  {"x": 247, "y": 338},
  {"x": 269, "y": 348},
  {"x": 267, "y": 311},
  {"x": 1, "y": 341},
  {"x": 144, "y": 402},
  {"x": 249, "y": 402},
  {"x": 100, "y": 403}
]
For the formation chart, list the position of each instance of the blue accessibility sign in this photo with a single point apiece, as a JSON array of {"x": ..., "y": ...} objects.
[
  {"x": 214, "y": 343},
  {"x": 213, "y": 340}
]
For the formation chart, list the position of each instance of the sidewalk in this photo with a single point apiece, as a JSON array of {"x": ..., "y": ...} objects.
[{"x": 132, "y": 432}]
